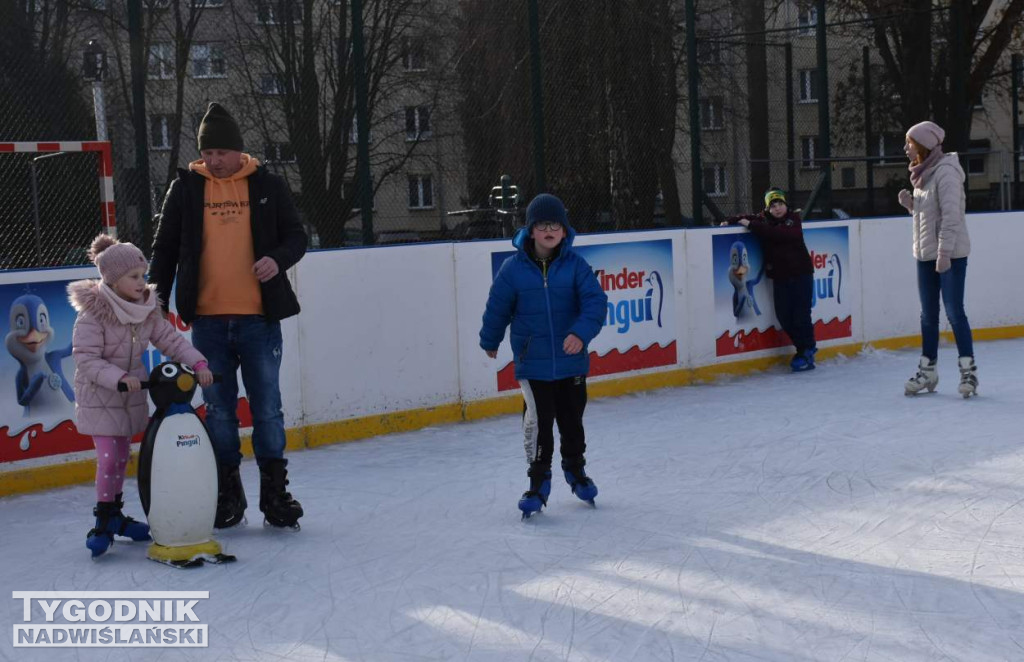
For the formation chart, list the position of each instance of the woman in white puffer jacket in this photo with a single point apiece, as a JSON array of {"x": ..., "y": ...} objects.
[{"x": 941, "y": 246}]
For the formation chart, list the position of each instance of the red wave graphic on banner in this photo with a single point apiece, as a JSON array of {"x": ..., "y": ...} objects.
[
  {"x": 65, "y": 438},
  {"x": 728, "y": 344},
  {"x": 614, "y": 361}
]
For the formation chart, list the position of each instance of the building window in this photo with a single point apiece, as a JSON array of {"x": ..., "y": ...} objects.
[
  {"x": 272, "y": 12},
  {"x": 161, "y": 61},
  {"x": 977, "y": 153},
  {"x": 417, "y": 123},
  {"x": 849, "y": 177},
  {"x": 278, "y": 153},
  {"x": 353, "y": 134},
  {"x": 714, "y": 180},
  {"x": 414, "y": 54},
  {"x": 709, "y": 51},
  {"x": 160, "y": 131},
  {"x": 807, "y": 149},
  {"x": 208, "y": 61},
  {"x": 890, "y": 148},
  {"x": 807, "y": 20},
  {"x": 351, "y": 192},
  {"x": 711, "y": 113},
  {"x": 421, "y": 192},
  {"x": 808, "y": 85},
  {"x": 271, "y": 85}
]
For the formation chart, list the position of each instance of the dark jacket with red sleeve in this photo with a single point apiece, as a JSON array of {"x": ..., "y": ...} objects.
[{"x": 785, "y": 253}]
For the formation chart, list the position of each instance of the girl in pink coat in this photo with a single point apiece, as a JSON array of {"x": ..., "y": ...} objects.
[{"x": 118, "y": 316}]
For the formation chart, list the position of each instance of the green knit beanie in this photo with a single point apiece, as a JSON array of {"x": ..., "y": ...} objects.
[{"x": 773, "y": 194}]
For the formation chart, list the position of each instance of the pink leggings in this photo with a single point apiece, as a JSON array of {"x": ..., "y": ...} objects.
[{"x": 111, "y": 460}]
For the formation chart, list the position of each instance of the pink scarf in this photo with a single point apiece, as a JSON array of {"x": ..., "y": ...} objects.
[{"x": 917, "y": 172}]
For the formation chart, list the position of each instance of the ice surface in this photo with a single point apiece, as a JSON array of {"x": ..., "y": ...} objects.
[{"x": 816, "y": 516}]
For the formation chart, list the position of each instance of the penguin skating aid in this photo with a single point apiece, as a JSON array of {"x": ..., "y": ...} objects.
[{"x": 178, "y": 474}]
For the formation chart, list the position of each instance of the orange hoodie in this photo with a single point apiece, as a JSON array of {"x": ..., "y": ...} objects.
[{"x": 227, "y": 284}]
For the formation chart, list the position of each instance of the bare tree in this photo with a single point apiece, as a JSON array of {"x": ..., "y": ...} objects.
[
  {"x": 300, "y": 85},
  {"x": 168, "y": 35},
  {"x": 940, "y": 56},
  {"x": 609, "y": 104}
]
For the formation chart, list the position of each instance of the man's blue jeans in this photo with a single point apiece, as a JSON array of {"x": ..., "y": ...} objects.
[
  {"x": 950, "y": 285},
  {"x": 254, "y": 344}
]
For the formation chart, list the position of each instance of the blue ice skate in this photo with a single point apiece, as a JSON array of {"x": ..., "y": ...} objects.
[
  {"x": 582, "y": 486},
  {"x": 110, "y": 521},
  {"x": 803, "y": 361},
  {"x": 536, "y": 497}
]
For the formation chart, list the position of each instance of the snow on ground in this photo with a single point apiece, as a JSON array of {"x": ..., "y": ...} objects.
[{"x": 817, "y": 516}]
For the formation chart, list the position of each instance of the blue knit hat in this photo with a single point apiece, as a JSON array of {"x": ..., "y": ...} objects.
[{"x": 546, "y": 208}]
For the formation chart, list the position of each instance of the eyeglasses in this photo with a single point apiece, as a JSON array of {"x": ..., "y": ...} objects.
[{"x": 547, "y": 227}]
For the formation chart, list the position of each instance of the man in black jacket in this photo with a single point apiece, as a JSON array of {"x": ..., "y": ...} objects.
[{"x": 228, "y": 232}]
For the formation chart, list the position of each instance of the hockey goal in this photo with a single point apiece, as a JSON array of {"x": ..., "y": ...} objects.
[{"x": 50, "y": 207}]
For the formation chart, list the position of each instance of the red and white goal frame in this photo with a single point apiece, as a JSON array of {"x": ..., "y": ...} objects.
[{"x": 105, "y": 166}]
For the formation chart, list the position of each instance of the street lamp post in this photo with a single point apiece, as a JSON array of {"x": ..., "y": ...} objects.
[{"x": 94, "y": 66}]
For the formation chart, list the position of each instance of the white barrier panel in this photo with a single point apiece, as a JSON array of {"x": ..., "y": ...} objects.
[
  {"x": 377, "y": 331},
  {"x": 889, "y": 275},
  {"x": 395, "y": 329}
]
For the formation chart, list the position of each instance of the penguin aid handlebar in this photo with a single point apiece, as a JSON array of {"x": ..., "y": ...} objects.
[{"x": 145, "y": 384}]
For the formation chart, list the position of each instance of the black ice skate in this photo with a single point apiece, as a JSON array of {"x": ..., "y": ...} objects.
[
  {"x": 231, "y": 501},
  {"x": 278, "y": 507}
]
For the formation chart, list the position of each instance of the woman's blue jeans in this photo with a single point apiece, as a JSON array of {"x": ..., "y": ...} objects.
[{"x": 950, "y": 287}]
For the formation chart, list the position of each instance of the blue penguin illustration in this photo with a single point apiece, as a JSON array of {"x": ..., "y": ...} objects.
[
  {"x": 739, "y": 267},
  {"x": 837, "y": 270},
  {"x": 40, "y": 383},
  {"x": 654, "y": 280}
]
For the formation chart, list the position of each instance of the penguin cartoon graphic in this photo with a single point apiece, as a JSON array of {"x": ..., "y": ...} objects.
[
  {"x": 40, "y": 384},
  {"x": 657, "y": 288},
  {"x": 836, "y": 270},
  {"x": 178, "y": 473},
  {"x": 743, "y": 300}
]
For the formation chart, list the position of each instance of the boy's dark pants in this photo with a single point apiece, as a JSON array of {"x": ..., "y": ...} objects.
[
  {"x": 544, "y": 403},
  {"x": 793, "y": 309}
]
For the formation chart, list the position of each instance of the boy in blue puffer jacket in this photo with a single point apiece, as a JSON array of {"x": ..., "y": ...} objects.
[{"x": 555, "y": 305}]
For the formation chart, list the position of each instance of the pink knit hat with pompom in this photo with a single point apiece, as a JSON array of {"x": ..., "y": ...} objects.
[{"x": 115, "y": 259}]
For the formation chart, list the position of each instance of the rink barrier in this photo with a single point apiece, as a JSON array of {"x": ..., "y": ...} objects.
[{"x": 435, "y": 374}]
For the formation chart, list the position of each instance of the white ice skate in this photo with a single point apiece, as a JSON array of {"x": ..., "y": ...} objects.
[
  {"x": 926, "y": 378},
  {"x": 968, "y": 377}
]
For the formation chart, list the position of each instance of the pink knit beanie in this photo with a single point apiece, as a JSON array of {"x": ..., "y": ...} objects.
[
  {"x": 115, "y": 259},
  {"x": 927, "y": 134}
]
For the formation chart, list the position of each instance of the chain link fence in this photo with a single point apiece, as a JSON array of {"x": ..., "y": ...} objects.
[{"x": 454, "y": 102}]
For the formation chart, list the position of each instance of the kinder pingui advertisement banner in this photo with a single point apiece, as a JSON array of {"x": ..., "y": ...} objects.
[
  {"x": 639, "y": 329},
  {"x": 744, "y": 313},
  {"x": 37, "y": 373}
]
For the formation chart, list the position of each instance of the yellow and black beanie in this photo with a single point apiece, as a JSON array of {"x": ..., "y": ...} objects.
[
  {"x": 219, "y": 130},
  {"x": 773, "y": 194}
]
